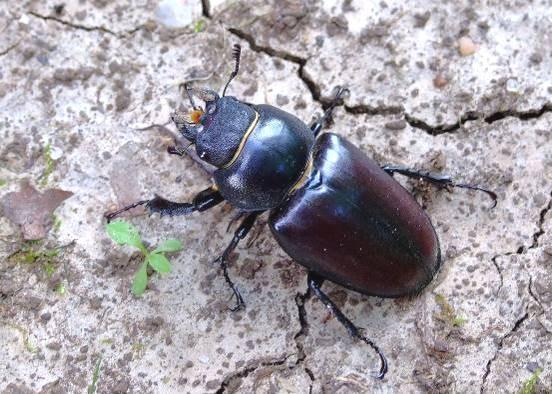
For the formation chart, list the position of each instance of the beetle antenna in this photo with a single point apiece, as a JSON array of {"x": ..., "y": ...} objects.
[{"x": 236, "y": 53}]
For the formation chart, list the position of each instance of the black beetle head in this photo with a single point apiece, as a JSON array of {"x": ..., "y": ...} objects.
[{"x": 218, "y": 130}]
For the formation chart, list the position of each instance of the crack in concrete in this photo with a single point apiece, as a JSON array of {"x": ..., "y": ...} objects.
[
  {"x": 266, "y": 49},
  {"x": 523, "y": 249},
  {"x": 520, "y": 250},
  {"x": 73, "y": 25},
  {"x": 499, "y": 272},
  {"x": 245, "y": 372},
  {"x": 530, "y": 290},
  {"x": 300, "y": 299},
  {"x": 315, "y": 91},
  {"x": 474, "y": 115},
  {"x": 77, "y": 26},
  {"x": 10, "y": 48},
  {"x": 488, "y": 367},
  {"x": 540, "y": 232}
]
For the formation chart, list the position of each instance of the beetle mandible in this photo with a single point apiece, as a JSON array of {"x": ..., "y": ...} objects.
[{"x": 331, "y": 208}]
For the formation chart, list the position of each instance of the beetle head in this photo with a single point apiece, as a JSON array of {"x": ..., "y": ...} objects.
[{"x": 218, "y": 130}]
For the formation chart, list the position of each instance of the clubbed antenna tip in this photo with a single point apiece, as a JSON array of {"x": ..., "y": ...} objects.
[{"x": 236, "y": 53}]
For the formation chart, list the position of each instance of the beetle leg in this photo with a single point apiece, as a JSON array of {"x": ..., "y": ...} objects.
[
  {"x": 436, "y": 179},
  {"x": 239, "y": 234},
  {"x": 204, "y": 200},
  {"x": 340, "y": 92},
  {"x": 315, "y": 282}
]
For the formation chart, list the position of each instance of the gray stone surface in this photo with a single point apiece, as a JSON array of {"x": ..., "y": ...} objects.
[{"x": 96, "y": 82}]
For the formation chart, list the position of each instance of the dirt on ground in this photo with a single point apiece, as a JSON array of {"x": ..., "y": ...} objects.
[{"x": 86, "y": 92}]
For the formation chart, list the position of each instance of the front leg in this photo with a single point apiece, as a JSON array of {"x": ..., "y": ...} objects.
[
  {"x": 204, "y": 200},
  {"x": 436, "y": 179}
]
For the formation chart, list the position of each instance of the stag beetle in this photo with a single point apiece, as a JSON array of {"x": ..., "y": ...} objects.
[{"x": 331, "y": 208}]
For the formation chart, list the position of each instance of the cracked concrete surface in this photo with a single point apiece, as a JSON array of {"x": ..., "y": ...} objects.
[{"x": 97, "y": 81}]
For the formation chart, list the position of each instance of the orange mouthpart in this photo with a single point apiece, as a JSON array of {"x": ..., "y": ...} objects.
[{"x": 195, "y": 115}]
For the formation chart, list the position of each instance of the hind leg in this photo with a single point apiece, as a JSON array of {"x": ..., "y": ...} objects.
[
  {"x": 315, "y": 282},
  {"x": 436, "y": 179}
]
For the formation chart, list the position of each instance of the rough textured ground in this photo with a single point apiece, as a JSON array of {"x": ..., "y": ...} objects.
[{"x": 85, "y": 94}]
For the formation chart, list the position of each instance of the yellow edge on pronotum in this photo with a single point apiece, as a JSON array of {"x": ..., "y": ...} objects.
[{"x": 243, "y": 141}]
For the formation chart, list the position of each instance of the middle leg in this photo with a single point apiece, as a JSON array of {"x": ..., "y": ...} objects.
[
  {"x": 341, "y": 92},
  {"x": 239, "y": 234}
]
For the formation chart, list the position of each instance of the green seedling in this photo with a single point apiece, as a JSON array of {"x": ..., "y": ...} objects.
[
  {"x": 32, "y": 253},
  {"x": 56, "y": 222},
  {"x": 24, "y": 336},
  {"x": 60, "y": 289},
  {"x": 95, "y": 377},
  {"x": 124, "y": 233},
  {"x": 529, "y": 386},
  {"x": 49, "y": 165},
  {"x": 199, "y": 25},
  {"x": 138, "y": 349},
  {"x": 448, "y": 313}
]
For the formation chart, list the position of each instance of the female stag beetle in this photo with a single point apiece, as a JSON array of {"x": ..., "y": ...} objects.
[{"x": 332, "y": 209}]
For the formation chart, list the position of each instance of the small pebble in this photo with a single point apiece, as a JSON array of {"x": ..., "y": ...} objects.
[
  {"x": 54, "y": 346},
  {"x": 439, "y": 81},
  {"x": 536, "y": 58},
  {"x": 466, "y": 46},
  {"x": 398, "y": 124},
  {"x": 55, "y": 152},
  {"x": 512, "y": 86},
  {"x": 46, "y": 316}
]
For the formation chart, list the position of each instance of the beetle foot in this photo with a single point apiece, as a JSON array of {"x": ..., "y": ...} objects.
[
  {"x": 240, "y": 304},
  {"x": 490, "y": 193},
  {"x": 112, "y": 215},
  {"x": 383, "y": 361},
  {"x": 176, "y": 150},
  {"x": 340, "y": 92}
]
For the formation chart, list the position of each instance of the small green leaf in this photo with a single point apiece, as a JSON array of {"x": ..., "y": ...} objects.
[
  {"x": 170, "y": 245},
  {"x": 140, "y": 280},
  {"x": 125, "y": 233},
  {"x": 60, "y": 289},
  {"x": 95, "y": 376},
  {"x": 529, "y": 386},
  {"x": 199, "y": 25},
  {"x": 159, "y": 263},
  {"x": 459, "y": 321}
]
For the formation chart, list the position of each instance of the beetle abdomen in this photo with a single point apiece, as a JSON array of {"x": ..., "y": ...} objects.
[
  {"x": 273, "y": 157},
  {"x": 356, "y": 226}
]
